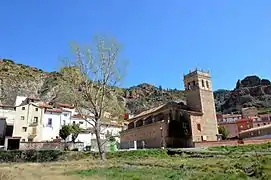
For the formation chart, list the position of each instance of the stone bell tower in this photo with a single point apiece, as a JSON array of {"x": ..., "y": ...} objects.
[{"x": 199, "y": 97}]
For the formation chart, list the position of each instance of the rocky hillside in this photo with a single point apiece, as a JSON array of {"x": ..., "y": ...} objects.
[
  {"x": 19, "y": 79},
  {"x": 251, "y": 91}
]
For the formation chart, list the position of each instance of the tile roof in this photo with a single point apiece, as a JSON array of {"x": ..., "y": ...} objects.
[
  {"x": 65, "y": 105},
  {"x": 81, "y": 116},
  {"x": 256, "y": 128},
  {"x": 54, "y": 110},
  {"x": 153, "y": 110}
]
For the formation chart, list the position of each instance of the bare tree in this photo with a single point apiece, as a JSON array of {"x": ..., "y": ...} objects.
[{"x": 90, "y": 82}]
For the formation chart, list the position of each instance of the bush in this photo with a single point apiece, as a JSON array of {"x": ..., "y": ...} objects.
[
  {"x": 30, "y": 156},
  {"x": 157, "y": 153}
]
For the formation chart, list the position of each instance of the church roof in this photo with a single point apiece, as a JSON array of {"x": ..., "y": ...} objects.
[{"x": 181, "y": 106}]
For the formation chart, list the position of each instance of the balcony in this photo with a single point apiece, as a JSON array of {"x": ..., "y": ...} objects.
[
  {"x": 33, "y": 133},
  {"x": 33, "y": 124}
]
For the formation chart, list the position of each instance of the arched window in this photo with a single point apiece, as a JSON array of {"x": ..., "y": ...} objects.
[{"x": 202, "y": 83}]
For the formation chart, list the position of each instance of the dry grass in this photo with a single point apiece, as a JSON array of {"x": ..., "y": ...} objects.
[
  {"x": 198, "y": 168},
  {"x": 50, "y": 171}
]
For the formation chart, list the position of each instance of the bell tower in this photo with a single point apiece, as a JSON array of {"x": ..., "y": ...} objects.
[{"x": 199, "y": 97}]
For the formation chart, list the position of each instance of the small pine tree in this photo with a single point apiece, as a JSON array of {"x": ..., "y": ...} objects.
[
  {"x": 225, "y": 133},
  {"x": 64, "y": 132},
  {"x": 75, "y": 130}
]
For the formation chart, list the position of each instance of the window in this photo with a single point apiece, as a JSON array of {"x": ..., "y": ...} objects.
[
  {"x": 23, "y": 140},
  {"x": 37, "y": 109},
  {"x": 65, "y": 114},
  {"x": 264, "y": 123},
  {"x": 81, "y": 122},
  {"x": 207, "y": 84},
  {"x": 64, "y": 122},
  {"x": 194, "y": 83},
  {"x": 23, "y": 108},
  {"x": 30, "y": 140},
  {"x": 35, "y": 119},
  {"x": 199, "y": 127},
  {"x": 22, "y": 117},
  {"x": 188, "y": 86},
  {"x": 49, "y": 122},
  {"x": 258, "y": 124},
  {"x": 24, "y": 129},
  {"x": 202, "y": 83}
]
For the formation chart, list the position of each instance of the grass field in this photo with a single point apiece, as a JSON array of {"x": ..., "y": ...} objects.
[{"x": 136, "y": 168}]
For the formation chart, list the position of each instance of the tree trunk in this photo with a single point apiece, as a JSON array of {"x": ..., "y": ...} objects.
[{"x": 99, "y": 143}]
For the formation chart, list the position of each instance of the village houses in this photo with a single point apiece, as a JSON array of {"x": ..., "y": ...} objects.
[
  {"x": 31, "y": 120},
  {"x": 244, "y": 124}
]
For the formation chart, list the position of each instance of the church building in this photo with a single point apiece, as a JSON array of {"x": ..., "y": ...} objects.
[{"x": 176, "y": 124}]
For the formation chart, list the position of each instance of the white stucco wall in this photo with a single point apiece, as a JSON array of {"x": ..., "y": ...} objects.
[
  {"x": 19, "y": 100},
  {"x": 65, "y": 118},
  {"x": 8, "y": 114},
  {"x": 85, "y": 138},
  {"x": 51, "y": 132},
  {"x": 83, "y": 124}
]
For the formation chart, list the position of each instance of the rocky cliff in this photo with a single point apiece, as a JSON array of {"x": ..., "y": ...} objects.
[
  {"x": 251, "y": 91},
  {"x": 19, "y": 79},
  {"x": 22, "y": 80}
]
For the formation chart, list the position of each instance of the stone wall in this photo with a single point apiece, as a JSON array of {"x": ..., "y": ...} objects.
[
  {"x": 50, "y": 145},
  {"x": 151, "y": 134}
]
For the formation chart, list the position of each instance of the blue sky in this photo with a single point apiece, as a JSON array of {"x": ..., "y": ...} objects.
[{"x": 162, "y": 39}]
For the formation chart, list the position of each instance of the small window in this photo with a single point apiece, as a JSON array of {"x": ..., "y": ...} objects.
[
  {"x": 22, "y": 117},
  {"x": 24, "y": 129},
  {"x": 30, "y": 140},
  {"x": 65, "y": 114},
  {"x": 81, "y": 122},
  {"x": 23, "y": 140},
  {"x": 264, "y": 123},
  {"x": 202, "y": 83},
  {"x": 36, "y": 119},
  {"x": 188, "y": 86},
  {"x": 23, "y": 108},
  {"x": 37, "y": 109},
  {"x": 199, "y": 127},
  {"x": 207, "y": 84},
  {"x": 49, "y": 122},
  {"x": 73, "y": 122}
]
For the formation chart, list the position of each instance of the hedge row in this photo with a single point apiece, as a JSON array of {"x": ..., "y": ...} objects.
[{"x": 30, "y": 156}]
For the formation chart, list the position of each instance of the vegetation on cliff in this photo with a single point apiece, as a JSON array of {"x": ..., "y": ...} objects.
[{"x": 19, "y": 79}]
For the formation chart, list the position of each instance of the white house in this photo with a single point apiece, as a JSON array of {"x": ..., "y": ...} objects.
[{"x": 51, "y": 124}]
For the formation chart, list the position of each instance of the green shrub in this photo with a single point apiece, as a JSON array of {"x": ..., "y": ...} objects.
[
  {"x": 157, "y": 153},
  {"x": 30, "y": 156}
]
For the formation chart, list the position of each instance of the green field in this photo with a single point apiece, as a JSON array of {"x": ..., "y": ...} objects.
[{"x": 148, "y": 165}]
